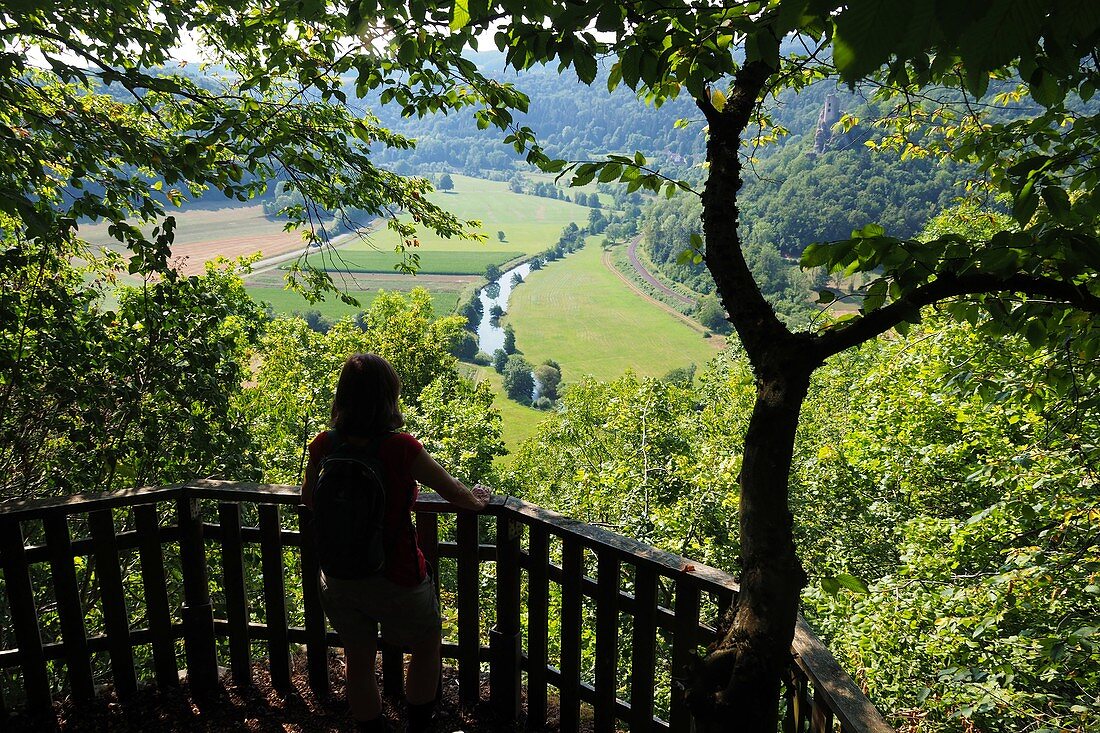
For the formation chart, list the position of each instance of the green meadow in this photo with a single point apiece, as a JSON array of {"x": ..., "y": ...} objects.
[
  {"x": 431, "y": 262},
  {"x": 579, "y": 313},
  {"x": 530, "y": 223},
  {"x": 519, "y": 421},
  {"x": 285, "y": 301}
]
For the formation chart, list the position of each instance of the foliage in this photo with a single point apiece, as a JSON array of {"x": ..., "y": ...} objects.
[
  {"x": 293, "y": 384},
  {"x": 97, "y": 129},
  {"x": 970, "y": 506},
  {"x": 518, "y": 382},
  {"x": 445, "y": 183},
  {"x": 547, "y": 379},
  {"x": 712, "y": 315},
  {"x": 91, "y": 392},
  {"x": 465, "y": 347},
  {"x": 671, "y": 229},
  {"x": 644, "y": 457}
]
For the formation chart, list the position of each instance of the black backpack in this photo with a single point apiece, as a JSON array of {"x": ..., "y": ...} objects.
[{"x": 349, "y": 510}]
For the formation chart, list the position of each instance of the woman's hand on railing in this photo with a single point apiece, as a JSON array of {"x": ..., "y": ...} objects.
[{"x": 481, "y": 493}]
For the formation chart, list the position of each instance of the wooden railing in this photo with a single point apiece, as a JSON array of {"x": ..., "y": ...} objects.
[{"x": 154, "y": 614}]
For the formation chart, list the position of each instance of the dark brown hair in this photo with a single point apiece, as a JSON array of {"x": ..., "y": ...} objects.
[{"x": 366, "y": 397}]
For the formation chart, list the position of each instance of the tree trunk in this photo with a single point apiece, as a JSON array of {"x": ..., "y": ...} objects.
[{"x": 737, "y": 687}]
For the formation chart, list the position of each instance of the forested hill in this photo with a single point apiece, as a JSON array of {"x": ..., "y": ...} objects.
[
  {"x": 572, "y": 120},
  {"x": 791, "y": 196}
]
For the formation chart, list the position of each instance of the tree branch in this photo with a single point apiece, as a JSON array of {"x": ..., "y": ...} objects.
[{"x": 947, "y": 285}]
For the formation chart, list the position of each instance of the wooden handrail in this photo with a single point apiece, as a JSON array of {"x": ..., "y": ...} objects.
[{"x": 592, "y": 559}]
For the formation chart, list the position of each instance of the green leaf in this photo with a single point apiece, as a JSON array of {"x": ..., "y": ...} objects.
[
  {"x": 852, "y": 583},
  {"x": 830, "y": 585},
  {"x": 610, "y": 172},
  {"x": 1009, "y": 29},
  {"x": 876, "y": 296},
  {"x": 867, "y": 31},
  {"x": 461, "y": 15},
  {"x": 1036, "y": 333}
]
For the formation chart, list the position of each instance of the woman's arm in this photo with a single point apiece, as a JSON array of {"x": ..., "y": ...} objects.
[
  {"x": 429, "y": 473},
  {"x": 312, "y": 469}
]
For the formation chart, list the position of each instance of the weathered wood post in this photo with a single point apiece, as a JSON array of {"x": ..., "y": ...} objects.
[
  {"x": 236, "y": 596},
  {"x": 469, "y": 646},
  {"x": 24, "y": 614},
  {"x": 538, "y": 623},
  {"x": 116, "y": 618},
  {"x": 78, "y": 659},
  {"x": 427, "y": 536},
  {"x": 197, "y": 612},
  {"x": 316, "y": 636},
  {"x": 271, "y": 560},
  {"x": 156, "y": 594},
  {"x": 506, "y": 638},
  {"x": 685, "y": 646},
  {"x": 607, "y": 640}
]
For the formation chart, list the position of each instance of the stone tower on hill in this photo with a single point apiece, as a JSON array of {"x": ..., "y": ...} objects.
[{"x": 828, "y": 117}]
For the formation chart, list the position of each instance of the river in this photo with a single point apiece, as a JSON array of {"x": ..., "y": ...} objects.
[{"x": 490, "y": 335}]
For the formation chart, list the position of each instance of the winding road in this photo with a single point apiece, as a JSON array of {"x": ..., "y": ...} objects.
[
  {"x": 718, "y": 340},
  {"x": 632, "y": 254}
]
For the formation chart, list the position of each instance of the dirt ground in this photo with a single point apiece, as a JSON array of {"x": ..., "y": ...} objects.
[{"x": 256, "y": 708}]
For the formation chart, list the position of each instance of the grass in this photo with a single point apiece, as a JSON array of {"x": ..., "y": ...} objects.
[
  {"x": 579, "y": 313},
  {"x": 286, "y": 302},
  {"x": 530, "y": 224},
  {"x": 519, "y": 422},
  {"x": 432, "y": 262}
]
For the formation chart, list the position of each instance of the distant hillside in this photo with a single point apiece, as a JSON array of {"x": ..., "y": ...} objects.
[{"x": 571, "y": 119}]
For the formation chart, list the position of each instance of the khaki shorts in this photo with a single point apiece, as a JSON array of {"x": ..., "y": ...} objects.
[{"x": 409, "y": 615}]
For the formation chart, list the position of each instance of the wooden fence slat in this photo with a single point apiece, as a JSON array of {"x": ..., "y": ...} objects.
[
  {"x": 821, "y": 716},
  {"x": 572, "y": 565},
  {"x": 271, "y": 552},
  {"x": 116, "y": 619},
  {"x": 197, "y": 612},
  {"x": 427, "y": 537},
  {"x": 538, "y": 611},
  {"x": 469, "y": 669},
  {"x": 684, "y": 645},
  {"x": 317, "y": 641},
  {"x": 607, "y": 641},
  {"x": 157, "y": 613},
  {"x": 236, "y": 595},
  {"x": 802, "y": 706},
  {"x": 506, "y": 639},
  {"x": 643, "y": 650},
  {"x": 24, "y": 615},
  {"x": 393, "y": 670},
  {"x": 78, "y": 660},
  {"x": 790, "y": 695}
]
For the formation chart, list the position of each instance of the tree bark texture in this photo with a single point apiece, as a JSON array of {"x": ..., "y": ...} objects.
[{"x": 738, "y": 684}]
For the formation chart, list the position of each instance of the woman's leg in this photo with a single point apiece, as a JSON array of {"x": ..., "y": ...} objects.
[
  {"x": 362, "y": 681},
  {"x": 423, "y": 674}
]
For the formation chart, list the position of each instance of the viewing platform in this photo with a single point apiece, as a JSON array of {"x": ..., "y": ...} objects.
[{"x": 541, "y": 612}]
